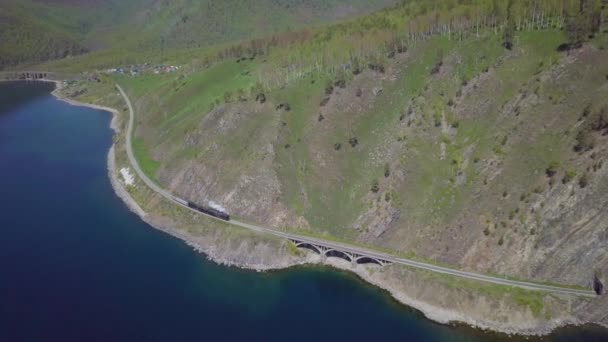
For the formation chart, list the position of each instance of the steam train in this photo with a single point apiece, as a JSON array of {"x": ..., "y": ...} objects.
[
  {"x": 209, "y": 211},
  {"x": 205, "y": 210}
]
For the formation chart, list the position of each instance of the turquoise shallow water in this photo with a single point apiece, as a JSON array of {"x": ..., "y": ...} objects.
[{"x": 77, "y": 265}]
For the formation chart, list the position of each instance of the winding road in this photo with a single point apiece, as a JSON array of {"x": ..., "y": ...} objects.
[{"x": 341, "y": 246}]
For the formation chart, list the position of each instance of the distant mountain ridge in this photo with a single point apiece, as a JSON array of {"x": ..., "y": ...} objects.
[{"x": 34, "y": 31}]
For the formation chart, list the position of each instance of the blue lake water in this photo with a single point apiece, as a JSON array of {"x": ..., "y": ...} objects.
[{"x": 77, "y": 265}]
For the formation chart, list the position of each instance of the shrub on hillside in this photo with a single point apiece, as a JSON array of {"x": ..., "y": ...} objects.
[
  {"x": 597, "y": 166},
  {"x": 375, "y": 186},
  {"x": 285, "y": 106},
  {"x": 570, "y": 174},
  {"x": 355, "y": 66},
  {"x": 600, "y": 121},
  {"x": 586, "y": 111},
  {"x": 241, "y": 95},
  {"x": 585, "y": 141},
  {"x": 377, "y": 67},
  {"x": 539, "y": 189},
  {"x": 261, "y": 98},
  {"x": 437, "y": 67},
  {"x": 585, "y": 138},
  {"x": 227, "y": 97},
  {"x": 552, "y": 169},
  {"x": 583, "y": 181},
  {"x": 329, "y": 88}
]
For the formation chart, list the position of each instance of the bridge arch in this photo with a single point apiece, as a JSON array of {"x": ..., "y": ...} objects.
[
  {"x": 368, "y": 260},
  {"x": 308, "y": 246},
  {"x": 338, "y": 254}
]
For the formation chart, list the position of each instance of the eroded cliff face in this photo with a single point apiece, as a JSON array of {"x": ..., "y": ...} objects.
[
  {"x": 231, "y": 154},
  {"x": 551, "y": 226},
  {"x": 500, "y": 211}
]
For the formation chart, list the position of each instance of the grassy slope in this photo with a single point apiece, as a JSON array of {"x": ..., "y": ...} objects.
[
  {"x": 182, "y": 102},
  {"x": 34, "y": 30}
]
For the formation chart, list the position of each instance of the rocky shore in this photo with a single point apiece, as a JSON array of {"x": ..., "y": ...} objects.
[{"x": 435, "y": 300}]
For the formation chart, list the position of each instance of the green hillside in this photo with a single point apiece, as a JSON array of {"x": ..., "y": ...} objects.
[
  {"x": 26, "y": 38},
  {"x": 35, "y": 30},
  {"x": 39, "y": 30}
]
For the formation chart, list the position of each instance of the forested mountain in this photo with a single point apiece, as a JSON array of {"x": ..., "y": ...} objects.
[
  {"x": 186, "y": 23},
  {"x": 24, "y": 38},
  {"x": 38, "y": 30}
]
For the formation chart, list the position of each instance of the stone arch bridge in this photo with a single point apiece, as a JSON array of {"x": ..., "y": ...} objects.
[{"x": 331, "y": 251}]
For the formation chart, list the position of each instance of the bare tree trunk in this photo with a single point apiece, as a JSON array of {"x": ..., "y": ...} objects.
[{"x": 541, "y": 20}]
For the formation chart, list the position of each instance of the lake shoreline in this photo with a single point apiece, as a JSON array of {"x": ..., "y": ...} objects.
[{"x": 432, "y": 312}]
